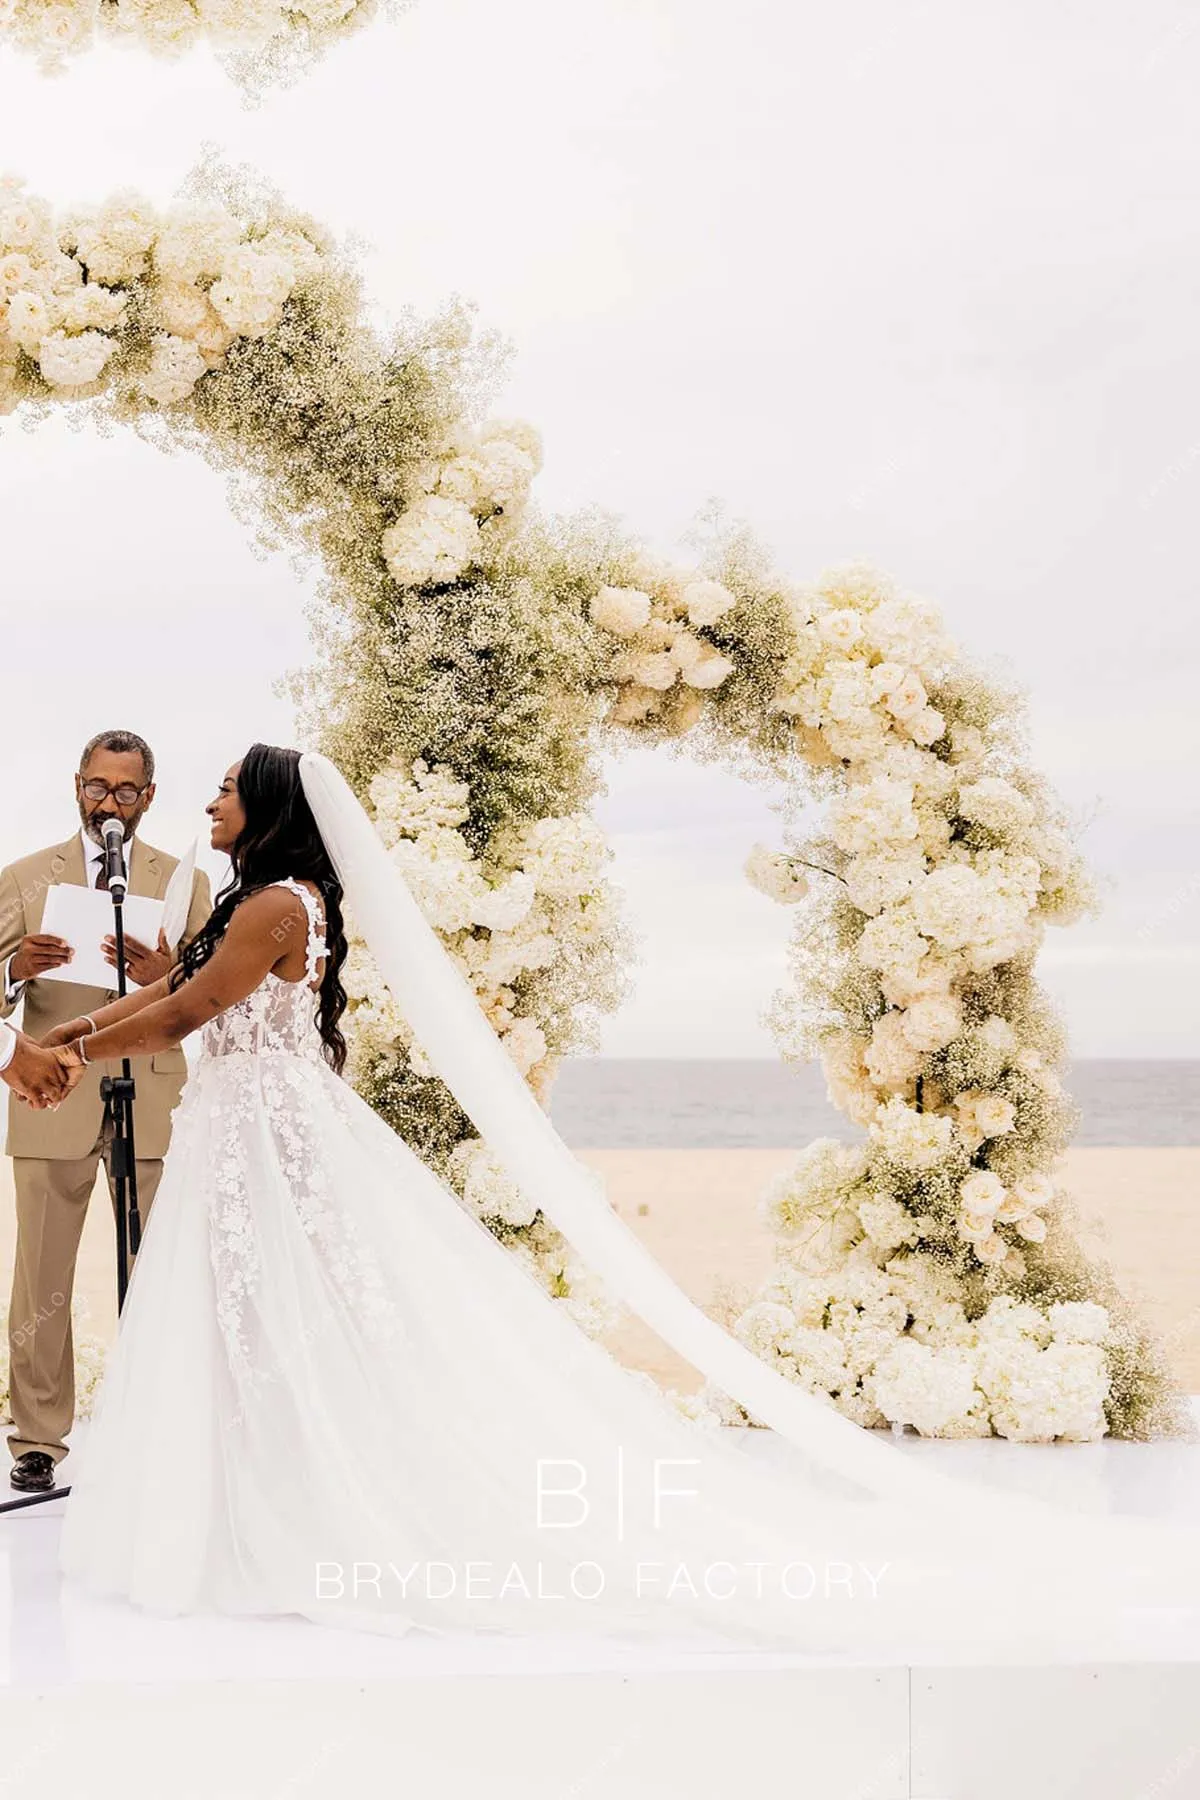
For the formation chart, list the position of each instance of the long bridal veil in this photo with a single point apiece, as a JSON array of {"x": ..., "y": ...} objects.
[{"x": 1007, "y": 1554}]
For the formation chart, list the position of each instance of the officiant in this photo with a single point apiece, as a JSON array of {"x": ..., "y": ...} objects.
[{"x": 56, "y": 1152}]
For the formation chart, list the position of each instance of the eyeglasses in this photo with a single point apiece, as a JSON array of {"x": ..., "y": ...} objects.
[{"x": 125, "y": 794}]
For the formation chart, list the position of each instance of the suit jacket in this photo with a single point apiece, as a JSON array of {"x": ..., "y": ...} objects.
[{"x": 71, "y": 1131}]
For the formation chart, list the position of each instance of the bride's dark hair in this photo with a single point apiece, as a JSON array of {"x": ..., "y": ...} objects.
[{"x": 280, "y": 838}]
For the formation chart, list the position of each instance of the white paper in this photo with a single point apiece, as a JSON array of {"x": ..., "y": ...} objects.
[
  {"x": 177, "y": 901},
  {"x": 84, "y": 917}
]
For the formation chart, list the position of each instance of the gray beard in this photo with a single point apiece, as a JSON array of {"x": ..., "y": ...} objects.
[{"x": 92, "y": 829}]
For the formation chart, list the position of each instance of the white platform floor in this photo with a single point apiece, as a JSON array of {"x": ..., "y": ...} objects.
[{"x": 96, "y": 1697}]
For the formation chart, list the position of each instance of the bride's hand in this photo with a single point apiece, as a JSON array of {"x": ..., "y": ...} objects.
[
  {"x": 65, "y": 1034},
  {"x": 71, "y": 1059}
]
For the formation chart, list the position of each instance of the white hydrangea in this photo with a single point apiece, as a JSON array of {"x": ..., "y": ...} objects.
[
  {"x": 495, "y": 471},
  {"x": 410, "y": 800},
  {"x": 777, "y": 876},
  {"x": 949, "y": 904},
  {"x": 1036, "y": 1395},
  {"x": 874, "y": 814},
  {"x": 698, "y": 663},
  {"x": 622, "y": 610},
  {"x": 931, "y": 1389},
  {"x": 891, "y": 942},
  {"x": 706, "y": 601},
  {"x": 995, "y": 803},
  {"x": 1080, "y": 1322},
  {"x": 433, "y": 540},
  {"x": 890, "y": 1058},
  {"x": 883, "y": 877},
  {"x": 932, "y": 1021},
  {"x": 174, "y": 369},
  {"x": 74, "y": 362},
  {"x": 487, "y": 1189},
  {"x": 917, "y": 1140},
  {"x": 253, "y": 285},
  {"x": 563, "y": 856},
  {"x": 115, "y": 240}
]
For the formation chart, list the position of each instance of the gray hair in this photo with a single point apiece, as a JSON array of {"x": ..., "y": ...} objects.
[{"x": 122, "y": 743}]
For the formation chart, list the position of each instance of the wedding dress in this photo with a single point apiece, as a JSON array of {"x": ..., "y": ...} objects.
[{"x": 335, "y": 1394}]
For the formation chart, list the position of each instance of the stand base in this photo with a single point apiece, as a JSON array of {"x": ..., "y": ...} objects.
[{"x": 14, "y": 1505}]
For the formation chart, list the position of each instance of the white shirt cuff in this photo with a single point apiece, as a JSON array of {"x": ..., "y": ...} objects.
[
  {"x": 8, "y": 1045},
  {"x": 12, "y": 989}
]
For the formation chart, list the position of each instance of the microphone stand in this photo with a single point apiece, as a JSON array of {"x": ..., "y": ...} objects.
[{"x": 117, "y": 1092}]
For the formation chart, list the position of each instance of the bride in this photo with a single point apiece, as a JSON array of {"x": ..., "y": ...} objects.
[{"x": 334, "y": 1394}]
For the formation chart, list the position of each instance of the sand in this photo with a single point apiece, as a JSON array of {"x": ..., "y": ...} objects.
[{"x": 695, "y": 1209}]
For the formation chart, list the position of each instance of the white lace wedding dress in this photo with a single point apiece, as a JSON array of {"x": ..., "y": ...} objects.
[{"x": 334, "y": 1394}]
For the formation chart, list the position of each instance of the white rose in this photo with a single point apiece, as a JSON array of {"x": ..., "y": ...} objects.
[
  {"x": 1032, "y": 1228},
  {"x": 994, "y": 1116},
  {"x": 1034, "y": 1191},
  {"x": 905, "y": 695},
  {"x": 28, "y": 319},
  {"x": 926, "y": 726},
  {"x": 991, "y": 1250},
  {"x": 982, "y": 1193},
  {"x": 841, "y": 627}
]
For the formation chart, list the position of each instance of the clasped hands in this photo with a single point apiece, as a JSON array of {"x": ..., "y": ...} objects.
[{"x": 43, "y": 1074}]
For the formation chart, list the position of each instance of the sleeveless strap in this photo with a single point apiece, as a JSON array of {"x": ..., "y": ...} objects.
[{"x": 315, "y": 947}]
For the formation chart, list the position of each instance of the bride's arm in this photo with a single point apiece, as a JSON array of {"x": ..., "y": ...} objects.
[
  {"x": 105, "y": 1015},
  {"x": 257, "y": 939}
]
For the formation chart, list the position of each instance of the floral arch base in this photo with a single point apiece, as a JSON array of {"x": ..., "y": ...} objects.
[{"x": 474, "y": 654}]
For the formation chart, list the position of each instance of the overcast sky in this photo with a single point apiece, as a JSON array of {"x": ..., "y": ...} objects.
[{"x": 911, "y": 282}]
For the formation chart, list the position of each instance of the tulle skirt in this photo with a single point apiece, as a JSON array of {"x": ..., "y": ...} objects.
[{"x": 334, "y": 1394}]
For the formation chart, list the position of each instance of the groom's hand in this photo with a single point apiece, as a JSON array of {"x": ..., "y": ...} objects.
[
  {"x": 143, "y": 965},
  {"x": 37, "y": 1075}
]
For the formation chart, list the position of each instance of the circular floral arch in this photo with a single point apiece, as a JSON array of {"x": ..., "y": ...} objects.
[
  {"x": 474, "y": 657},
  {"x": 258, "y": 41}
]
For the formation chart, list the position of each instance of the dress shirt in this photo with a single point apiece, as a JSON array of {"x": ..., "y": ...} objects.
[{"x": 93, "y": 862}]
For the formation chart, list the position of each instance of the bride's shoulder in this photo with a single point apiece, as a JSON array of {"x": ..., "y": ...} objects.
[{"x": 275, "y": 909}]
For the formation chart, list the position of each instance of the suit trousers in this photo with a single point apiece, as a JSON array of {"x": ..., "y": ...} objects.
[{"x": 52, "y": 1201}]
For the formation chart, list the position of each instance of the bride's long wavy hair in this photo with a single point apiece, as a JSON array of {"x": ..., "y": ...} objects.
[{"x": 279, "y": 839}]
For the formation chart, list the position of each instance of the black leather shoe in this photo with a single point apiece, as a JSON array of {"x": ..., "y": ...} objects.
[{"x": 33, "y": 1472}]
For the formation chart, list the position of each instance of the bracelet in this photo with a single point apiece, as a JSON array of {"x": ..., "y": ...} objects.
[
  {"x": 83, "y": 1056},
  {"x": 91, "y": 1022}
]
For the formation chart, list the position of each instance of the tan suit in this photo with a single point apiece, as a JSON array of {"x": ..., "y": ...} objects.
[{"x": 56, "y": 1154}]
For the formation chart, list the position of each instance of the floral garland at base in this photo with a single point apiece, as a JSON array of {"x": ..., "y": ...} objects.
[{"x": 474, "y": 657}]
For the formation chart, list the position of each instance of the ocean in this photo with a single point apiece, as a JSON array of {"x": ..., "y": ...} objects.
[{"x": 610, "y": 1103}]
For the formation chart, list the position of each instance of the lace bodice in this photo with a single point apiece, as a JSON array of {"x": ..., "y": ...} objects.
[{"x": 280, "y": 1016}]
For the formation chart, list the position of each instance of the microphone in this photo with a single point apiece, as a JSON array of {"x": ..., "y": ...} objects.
[{"x": 113, "y": 833}]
